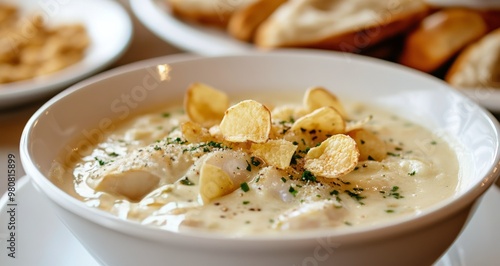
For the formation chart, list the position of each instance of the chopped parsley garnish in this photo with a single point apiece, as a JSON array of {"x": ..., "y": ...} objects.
[
  {"x": 244, "y": 186},
  {"x": 433, "y": 142},
  {"x": 412, "y": 173},
  {"x": 254, "y": 161},
  {"x": 157, "y": 148},
  {"x": 308, "y": 176},
  {"x": 293, "y": 191},
  {"x": 355, "y": 196},
  {"x": 185, "y": 181},
  {"x": 113, "y": 154},
  {"x": 283, "y": 179},
  {"x": 249, "y": 167},
  {"x": 101, "y": 162},
  {"x": 176, "y": 141},
  {"x": 166, "y": 115},
  {"x": 393, "y": 193},
  {"x": 334, "y": 192},
  {"x": 393, "y": 154},
  {"x": 295, "y": 157},
  {"x": 246, "y": 202},
  {"x": 389, "y": 211}
]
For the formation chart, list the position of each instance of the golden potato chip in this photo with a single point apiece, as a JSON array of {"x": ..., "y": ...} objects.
[
  {"x": 370, "y": 146},
  {"x": 357, "y": 124},
  {"x": 326, "y": 121},
  {"x": 335, "y": 157},
  {"x": 194, "y": 132},
  {"x": 317, "y": 97},
  {"x": 276, "y": 153},
  {"x": 214, "y": 183},
  {"x": 205, "y": 105},
  {"x": 288, "y": 113},
  {"x": 246, "y": 121}
]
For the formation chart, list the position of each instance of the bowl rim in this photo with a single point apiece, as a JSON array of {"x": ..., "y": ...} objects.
[{"x": 430, "y": 215}]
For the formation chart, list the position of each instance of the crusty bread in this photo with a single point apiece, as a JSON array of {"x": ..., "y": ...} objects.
[
  {"x": 492, "y": 17},
  {"x": 345, "y": 25},
  {"x": 244, "y": 22},
  {"x": 478, "y": 66},
  {"x": 440, "y": 37},
  {"x": 210, "y": 12}
]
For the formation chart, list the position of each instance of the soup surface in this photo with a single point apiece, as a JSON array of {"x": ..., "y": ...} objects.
[{"x": 163, "y": 169}]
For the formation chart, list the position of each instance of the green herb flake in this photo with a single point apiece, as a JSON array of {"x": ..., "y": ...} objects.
[
  {"x": 185, "y": 181},
  {"x": 246, "y": 202},
  {"x": 355, "y": 196},
  {"x": 389, "y": 211},
  {"x": 244, "y": 186},
  {"x": 249, "y": 167},
  {"x": 308, "y": 176},
  {"x": 166, "y": 115},
  {"x": 412, "y": 173},
  {"x": 101, "y": 162},
  {"x": 113, "y": 154},
  {"x": 293, "y": 191},
  {"x": 283, "y": 179},
  {"x": 254, "y": 161}
]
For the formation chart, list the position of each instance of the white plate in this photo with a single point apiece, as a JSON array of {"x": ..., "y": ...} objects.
[
  {"x": 110, "y": 30},
  {"x": 156, "y": 16},
  {"x": 43, "y": 240}
]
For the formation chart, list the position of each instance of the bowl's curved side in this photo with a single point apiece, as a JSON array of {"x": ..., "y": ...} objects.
[{"x": 114, "y": 96}]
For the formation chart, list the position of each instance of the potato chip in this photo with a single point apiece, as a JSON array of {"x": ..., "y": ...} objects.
[
  {"x": 214, "y": 183},
  {"x": 325, "y": 121},
  {"x": 288, "y": 113},
  {"x": 276, "y": 153},
  {"x": 246, "y": 121},
  {"x": 357, "y": 124},
  {"x": 370, "y": 146},
  {"x": 195, "y": 133},
  {"x": 205, "y": 105},
  {"x": 317, "y": 97},
  {"x": 335, "y": 157}
]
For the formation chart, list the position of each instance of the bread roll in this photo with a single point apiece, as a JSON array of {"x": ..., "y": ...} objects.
[
  {"x": 244, "y": 22},
  {"x": 441, "y": 36},
  {"x": 211, "y": 12},
  {"x": 478, "y": 66},
  {"x": 345, "y": 25}
]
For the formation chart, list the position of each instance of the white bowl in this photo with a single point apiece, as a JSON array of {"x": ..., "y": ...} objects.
[{"x": 418, "y": 240}]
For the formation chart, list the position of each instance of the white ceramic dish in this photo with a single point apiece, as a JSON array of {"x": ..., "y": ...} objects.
[
  {"x": 475, "y": 246},
  {"x": 414, "y": 96},
  {"x": 155, "y": 15},
  {"x": 110, "y": 30}
]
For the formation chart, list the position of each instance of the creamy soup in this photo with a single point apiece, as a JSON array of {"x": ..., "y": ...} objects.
[{"x": 148, "y": 170}]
